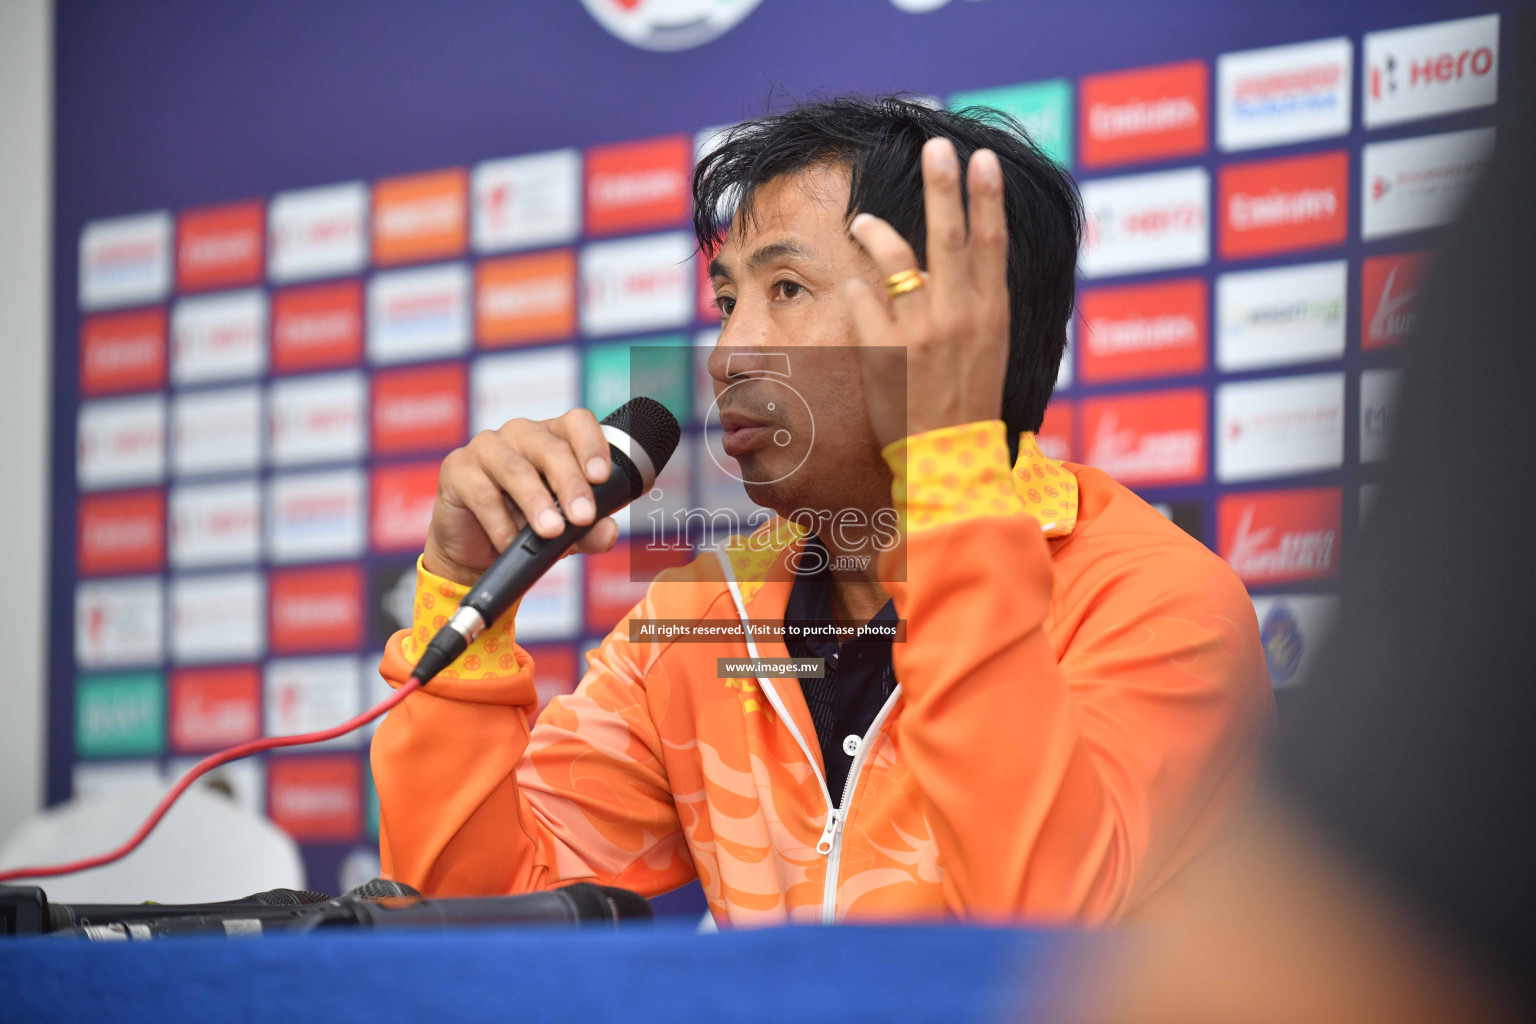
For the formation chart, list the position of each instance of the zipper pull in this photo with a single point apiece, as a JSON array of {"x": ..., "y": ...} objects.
[{"x": 829, "y": 834}]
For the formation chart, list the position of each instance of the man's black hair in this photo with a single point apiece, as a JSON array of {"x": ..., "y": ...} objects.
[{"x": 880, "y": 140}]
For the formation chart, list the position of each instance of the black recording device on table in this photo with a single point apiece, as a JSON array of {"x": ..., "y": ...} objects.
[{"x": 642, "y": 435}]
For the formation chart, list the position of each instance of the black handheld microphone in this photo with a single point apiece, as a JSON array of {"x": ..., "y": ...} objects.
[{"x": 642, "y": 435}]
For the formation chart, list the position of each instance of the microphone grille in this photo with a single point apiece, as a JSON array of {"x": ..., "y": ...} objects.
[{"x": 650, "y": 424}]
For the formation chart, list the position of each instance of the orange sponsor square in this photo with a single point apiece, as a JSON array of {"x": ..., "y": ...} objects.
[
  {"x": 522, "y": 299},
  {"x": 122, "y": 351},
  {"x": 1271, "y": 206},
  {"x": 1148, "y": 330},
  {"x": 318, "y": 609},
  {"x": 1144, "y": 114},
  {"x": 317, "y": 327},
  {"x": 123, "y": 532},
  {"x": 316, "y": 796},
  {"x": 220, "y": 246},
  {"x": 420, "y": 216},
  {"x": 636, "y": 185},
  {"x": 419, "y": 408}
]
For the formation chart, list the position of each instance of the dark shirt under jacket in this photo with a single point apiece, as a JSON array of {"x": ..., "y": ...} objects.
[{"x": 859, "y": 675}]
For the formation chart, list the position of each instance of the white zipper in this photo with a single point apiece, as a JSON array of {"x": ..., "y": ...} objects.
[{"x": 830, "y": 845}]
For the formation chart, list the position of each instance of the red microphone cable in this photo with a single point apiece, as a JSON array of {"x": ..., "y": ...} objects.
[{"x": 207, "y": 764}]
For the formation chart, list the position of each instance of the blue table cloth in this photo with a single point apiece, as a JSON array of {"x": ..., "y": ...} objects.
[{"x": 660, "y": 973}]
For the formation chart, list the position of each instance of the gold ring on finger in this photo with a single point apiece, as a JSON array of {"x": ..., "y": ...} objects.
[{"x": 904, "y": 281}]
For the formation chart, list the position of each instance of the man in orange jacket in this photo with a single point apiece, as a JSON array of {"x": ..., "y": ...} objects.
[{"x": 1080, "y": 691}]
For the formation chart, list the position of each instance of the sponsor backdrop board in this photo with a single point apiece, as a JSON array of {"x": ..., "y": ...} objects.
[{"x": 301, "y": 256}]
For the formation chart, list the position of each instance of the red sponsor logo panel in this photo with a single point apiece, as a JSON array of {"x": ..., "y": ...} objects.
[
  {"x": 317, "y": 327},
  {"x": 316, "y": 797},
  {"x": 556, "y": 671},
  {"x": 1148, "y": 439},
  {"x": 1274, "y": 206},
  {"x": 419, "y": 409},
  {"x": 212, "y": 708},
  {"x": 122, "y": 532},
  {"x": 1281, "y": 536},
  {"x": 617, "y": 579},
  {"x": 1389, "y": 295},
  {"x": 402, "y": 505},
  {"x": 220, "y": 246},
  {"x": 1151, "y": 330},
  {"x": 318, "y": 609},
  {"x": 123, "y": 351},
  {"x": 639, "y": 184},
  {"x": 1145, "y": 114},
  {"x": 1055, "y": 436}
]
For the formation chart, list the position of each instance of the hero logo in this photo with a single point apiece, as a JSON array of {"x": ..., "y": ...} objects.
[
  {"x": 1390, "y": 288},
  {"x": 219, "y": 337},
  {"x": 1429, "y": 70},
  {"x": 1279, "y": 427},
  {"x": 1420, "y": 183},
  {"x": 668, "y": 24},
  {"x": 1146, "y": 222},
  {"x": 318, "y": 418},
  {"x": 125, "y": 261},
  {"x": 636, "y": 284},
  {"x": 318, "y": 232},
  {"x": 121, "y": 442},
  {"x": 1148, "y": 439},
  {"x": 215, "y": 524},
  {"x": 218, "y": 618},
  {"x": 527, "y": 201},
  {"x": 1283, "y": 94},
  {"x": 1280, "y": 536}
]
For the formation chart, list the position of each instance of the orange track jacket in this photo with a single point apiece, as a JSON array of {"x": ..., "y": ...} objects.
[{"x": 1082, "y": 692}]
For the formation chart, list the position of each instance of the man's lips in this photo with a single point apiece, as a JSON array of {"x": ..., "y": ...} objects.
[{"x": 741, "y": 433}]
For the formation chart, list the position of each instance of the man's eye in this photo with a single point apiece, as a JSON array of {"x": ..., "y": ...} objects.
[
  {"x": 725, "y": 303},
  {"x": 788, "y": 289}
]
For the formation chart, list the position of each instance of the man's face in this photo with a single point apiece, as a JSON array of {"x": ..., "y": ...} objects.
[{"x": 786, "y": 369}]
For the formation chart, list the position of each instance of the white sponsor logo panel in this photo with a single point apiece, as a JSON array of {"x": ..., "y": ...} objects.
[
  {"x": 119, "y": 622},
  {"x": 215, "y": 524},
  {"x": 314, "y": 516},
  {"x": 216, "y": 431},
  {"x": 527, "y": 201},
  {"x": 422, "y": 313},
  {"x": 1283, "y": 94},
  {"x": 551, "y": 610},
  {"x": 121, "y": 442},
  {"x": 218, "y": 618},
  {"x": 1292, "y": 628},
  {"x": 219, "y": 337},
  {"x": 1281, "y": 316},
  {"x": 1428, "y": 70},
  {"x": 318, "y": 232},
  {"x": 537, "y": 385},
  {"x": 1378, "y": 412},
  {"x": 309, "y": 694},
  {"x": 1272, "y": 428},
  {"x": 1419, "y": 183},
  {"x": 1146, "y": 222},
  {"x": 637, "y": 284},
  {"x": 319, "y": 418},
  {"x": 125, "y": 261}
]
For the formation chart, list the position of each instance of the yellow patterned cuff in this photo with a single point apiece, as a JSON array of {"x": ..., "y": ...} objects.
[
  {"x": 950, "y": 475},
  {"x": 492, "y": 655}
]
